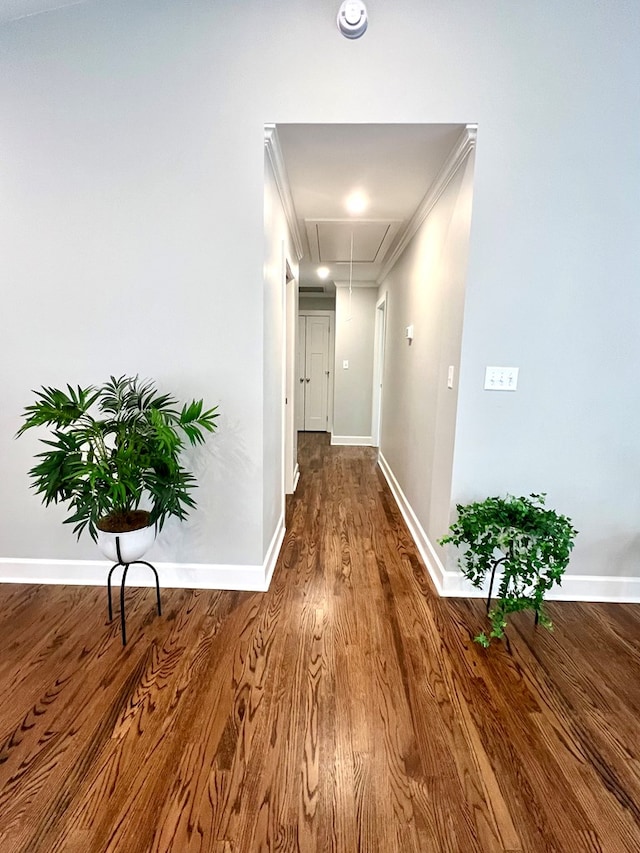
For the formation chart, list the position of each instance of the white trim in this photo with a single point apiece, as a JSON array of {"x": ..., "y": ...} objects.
[
  {"x": 380, "y": 335},
  {"x": 424, "y": 546},
  {"x": 574, "y": 588},
  {"x": 172, "y": 575},
  {"x": 283, "y": 378},
  {"x": 597, "y": 588},
  {"x": 274, "y": 152},
  {"x": 453, "y": 584},
  {"x": 94, "y": 573},
  {"x": 296, "y": 478},
  {"x": 289, "y": 352},
  {"x": 352, "y": 440},
  {"x": 465, "y": 144},
  {"x": 271, "y": 557}
]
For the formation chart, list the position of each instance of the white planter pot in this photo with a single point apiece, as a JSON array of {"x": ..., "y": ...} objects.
[{"x": 133, "y": 544}]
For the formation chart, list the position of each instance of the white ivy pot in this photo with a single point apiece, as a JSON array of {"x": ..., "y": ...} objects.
[{"x": 133, "y": 544}]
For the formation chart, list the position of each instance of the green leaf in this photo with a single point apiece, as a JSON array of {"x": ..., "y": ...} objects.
[
  {"x": 529, "y": 543},
  {"x": 114, "y": 448}
]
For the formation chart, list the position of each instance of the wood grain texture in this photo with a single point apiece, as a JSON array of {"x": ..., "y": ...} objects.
[{"x": 345, "y": 710}]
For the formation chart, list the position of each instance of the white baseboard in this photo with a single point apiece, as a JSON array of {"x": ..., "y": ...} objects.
[
  {"x": 271, "y": 557},
  {"x": 597, "y": 588},
  {"x": 453, "y": 584},
  {"x": 246, "y": 578},
  {"x": 424, "y": 546},
  {"x": 574, "y": 588},
  {"x": 352, "y": 440},
  {"x": 94, "y": 573}
]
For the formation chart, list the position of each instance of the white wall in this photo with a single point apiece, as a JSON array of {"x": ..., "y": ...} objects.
[
  {"x": 278, "y": 251},
  {"x": 131, "y": 174},
  {"x": 355, "y": 320},
  {"x": 425, "y": 288},
  {"x": 117, "y": 202}
]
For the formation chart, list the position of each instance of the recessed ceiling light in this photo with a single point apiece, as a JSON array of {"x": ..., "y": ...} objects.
[
  {"x": 323, "y": 272},
  {"x": 356, "y": 202}
]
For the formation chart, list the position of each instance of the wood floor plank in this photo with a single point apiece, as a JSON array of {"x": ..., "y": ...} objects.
[{"x": 346, "y": 710}]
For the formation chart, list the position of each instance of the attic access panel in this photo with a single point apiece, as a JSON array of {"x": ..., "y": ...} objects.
[{"x": 330, "y": 239}]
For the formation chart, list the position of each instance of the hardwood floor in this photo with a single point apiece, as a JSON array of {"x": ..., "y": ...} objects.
[{"x": 345, "y": 710}]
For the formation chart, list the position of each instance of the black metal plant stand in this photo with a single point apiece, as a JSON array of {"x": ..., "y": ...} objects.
[
  {"x": 496, "y": 563},
  {"x": 121, "y": 562}
]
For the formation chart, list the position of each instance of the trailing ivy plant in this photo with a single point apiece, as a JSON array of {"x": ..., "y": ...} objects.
[
  {"x": 113, "y": 453},
  {"x": 531, "y": 543}
]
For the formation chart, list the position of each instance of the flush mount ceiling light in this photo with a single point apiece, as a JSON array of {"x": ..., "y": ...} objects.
[
  {"x": 323, "y": 272},
  {"x": 352, "y": 19},
  {"x": 356, "y": 203}
]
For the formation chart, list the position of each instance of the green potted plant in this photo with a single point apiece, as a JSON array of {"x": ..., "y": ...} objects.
[
  {"x": 113, "y": 455},
  {"x": 531, "y": 543}
]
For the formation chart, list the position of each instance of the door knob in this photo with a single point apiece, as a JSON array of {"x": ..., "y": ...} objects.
[
  {"x": 302, "y": 379},
  {"x": 309, "y": 379}
]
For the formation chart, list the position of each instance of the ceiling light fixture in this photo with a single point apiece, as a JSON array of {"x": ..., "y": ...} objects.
[
  {"x": 323, "y": 272},
  {"x": 356, "y": 203},
  {"x": 352, "y": 19}
]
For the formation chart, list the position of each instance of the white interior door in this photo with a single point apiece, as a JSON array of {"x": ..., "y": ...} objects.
[
  {"x": 312, "y": 400},
  {"x": 316, "y": 397}
]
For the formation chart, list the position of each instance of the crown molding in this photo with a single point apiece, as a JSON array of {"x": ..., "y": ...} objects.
[
  {"x": 459, "y": 153},
  {"x": 274, "y": 152}
]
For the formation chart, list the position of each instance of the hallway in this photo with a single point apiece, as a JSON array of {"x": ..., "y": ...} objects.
[{"x": 344, "y": 710}]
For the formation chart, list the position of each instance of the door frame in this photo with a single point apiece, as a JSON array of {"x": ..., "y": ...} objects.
[
  {"x": 290, "y": 470},
  {"x": 380, "y": 337},
  {"x": 331, "y": 314}
]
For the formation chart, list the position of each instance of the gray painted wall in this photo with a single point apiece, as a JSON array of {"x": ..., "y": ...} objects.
[
  {"x": 355, "y": 321},
  {"x": 317, "y": 303},
  {"x": 118, "y": 202},
  {"x": 132, "y": 200},
  {"x": 426, "y": 289}
]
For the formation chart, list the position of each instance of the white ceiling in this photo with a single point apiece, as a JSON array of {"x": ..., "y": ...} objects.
[{"x": 394, "y": 165}]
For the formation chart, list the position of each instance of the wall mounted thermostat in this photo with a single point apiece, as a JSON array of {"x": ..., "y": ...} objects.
[{"x": 352, "y": 19}]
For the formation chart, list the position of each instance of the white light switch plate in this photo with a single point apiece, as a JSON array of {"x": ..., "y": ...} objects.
[
  {"x": 450, "y": 375},
  {"x": 501, "y": 379},
  {"x": 345, "y": 364}
]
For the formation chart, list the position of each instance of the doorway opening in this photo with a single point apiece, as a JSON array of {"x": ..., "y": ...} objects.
[
  {"x": 291, "y": 471},
  {"x": 396, "y": 273},
  {"x": 378, "y": 369}
]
